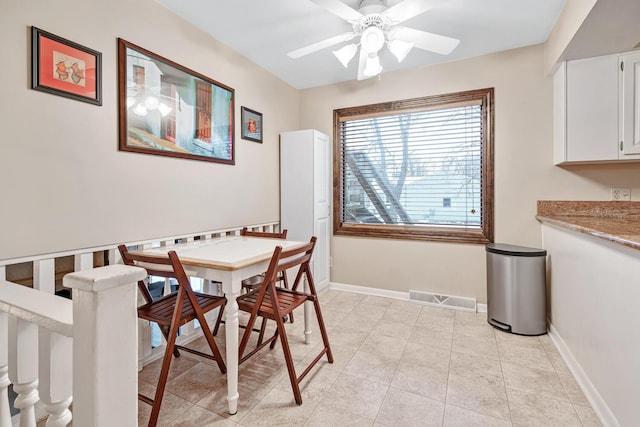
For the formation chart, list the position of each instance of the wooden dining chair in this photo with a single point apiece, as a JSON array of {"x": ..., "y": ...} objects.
[
  {"x": 251, "y": 283},
  {"x": 274, "y": 303},
  {"x": 172, "y": 311}
]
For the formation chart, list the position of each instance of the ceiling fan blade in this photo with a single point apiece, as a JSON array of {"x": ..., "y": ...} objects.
[
  {"x": 427, "y": 41},
  {"x": 406, "y": 9},
  {"x": 321, "y": 45},
  {"x": 340, "y": 9}
]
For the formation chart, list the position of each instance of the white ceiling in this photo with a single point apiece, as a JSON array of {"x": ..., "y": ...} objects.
[{"x": 265, "y": 30}]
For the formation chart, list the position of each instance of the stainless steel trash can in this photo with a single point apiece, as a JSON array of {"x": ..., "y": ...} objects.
[{"x": 516, "y": 289}]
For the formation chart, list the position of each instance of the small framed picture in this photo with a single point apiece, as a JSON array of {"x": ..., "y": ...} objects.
[
  {"x": 251, "y": 125},
  {"x": 62, "y": 67}
]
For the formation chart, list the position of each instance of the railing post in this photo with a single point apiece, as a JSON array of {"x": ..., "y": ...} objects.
[{"x": 105, "y": 345}]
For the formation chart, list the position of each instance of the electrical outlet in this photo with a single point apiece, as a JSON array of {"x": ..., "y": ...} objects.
[{"x": 620, "y": 194}]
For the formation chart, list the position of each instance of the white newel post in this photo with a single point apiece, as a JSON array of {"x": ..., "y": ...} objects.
[{"x": 105, "y": 345}]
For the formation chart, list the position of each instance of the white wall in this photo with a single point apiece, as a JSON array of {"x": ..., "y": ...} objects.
[
  {"x": 524, "y": 171},
  {"x": 65, "y": 185},
  {"x": 594, "y": 319},
  {"x": 571, "y": 18}
]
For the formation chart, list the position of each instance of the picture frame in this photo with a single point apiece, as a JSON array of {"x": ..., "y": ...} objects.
[
  {"x": 251, "y": 125},
  {"x": 167, "y": 109},
  {"x": 65, "y": 68}
]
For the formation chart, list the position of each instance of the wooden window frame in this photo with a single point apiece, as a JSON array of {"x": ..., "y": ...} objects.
[{"x": 482, "y": 235}]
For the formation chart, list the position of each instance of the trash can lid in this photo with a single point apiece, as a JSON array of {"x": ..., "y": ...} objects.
[{"x": 503, "y": 249}]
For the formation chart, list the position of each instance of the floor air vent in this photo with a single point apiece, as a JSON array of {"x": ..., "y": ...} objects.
[{"x": 444, "y": 301}]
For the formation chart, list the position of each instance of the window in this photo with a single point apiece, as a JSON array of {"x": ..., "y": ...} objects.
[
  {"x": 203, "y": 111},
  {"x": 418, "y": 169}
]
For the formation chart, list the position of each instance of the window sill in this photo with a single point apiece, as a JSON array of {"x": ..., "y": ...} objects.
[{"x": 424, "y": 233}]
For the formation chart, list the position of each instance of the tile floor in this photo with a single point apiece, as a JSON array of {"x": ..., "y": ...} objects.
[{"x": 396, "y": 364}]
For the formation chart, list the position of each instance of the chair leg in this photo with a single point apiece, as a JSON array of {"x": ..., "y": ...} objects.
[
  {"x": 165, "y": 332},
  {"x": 245, "y": 337},
  {"x": 218, "y": 320},
  {"x": 323, "y": 330},
  {"x": 212, "y": 343},
  {"x": 289, "y": 360},
  {"x": 162, "y": 380},
  {"x": 262, "y": 328}
]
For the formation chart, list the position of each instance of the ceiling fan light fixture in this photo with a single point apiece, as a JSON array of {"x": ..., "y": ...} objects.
[
  {"x": 400, "y": 49},
  {"x": 372, "y": 39},
  {"x": 372, "y": 67},
  {"x": 346, "y": 53}
]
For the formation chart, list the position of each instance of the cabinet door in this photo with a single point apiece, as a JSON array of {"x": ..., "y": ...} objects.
[
  {"x": 592, "y": 109},
  {"x": 322, "y": 208},
  {"x": 630, "y": 106},
  {"x": 560, "y": 114},
  {"x": 305, "y": 194}
]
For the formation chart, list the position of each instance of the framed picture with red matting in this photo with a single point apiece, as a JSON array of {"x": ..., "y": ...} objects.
[{"x": 65, "y": 68}]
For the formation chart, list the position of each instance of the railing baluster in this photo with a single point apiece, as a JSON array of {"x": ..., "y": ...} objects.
[
  {"x": 5, "y": 413},
  {"x": 44, "y": 275},
  {"x": 56, "y": 373},
  {"x": 55, "y": 367},
  {"x": 23, "y": 368},
  {"x": 83, "y": 261}
]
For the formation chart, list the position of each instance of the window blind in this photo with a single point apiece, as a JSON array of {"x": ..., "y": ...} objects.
[{"x": 419, "y": 168}]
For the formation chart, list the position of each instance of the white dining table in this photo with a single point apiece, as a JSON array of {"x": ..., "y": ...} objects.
[{"x": 229, "y": 260}]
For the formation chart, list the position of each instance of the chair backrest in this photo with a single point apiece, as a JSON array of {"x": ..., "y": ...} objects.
[
  {"x": 288, "y": 260},
  {"x": 168, "y": 267},
  {"x": 246, "y": 232}
]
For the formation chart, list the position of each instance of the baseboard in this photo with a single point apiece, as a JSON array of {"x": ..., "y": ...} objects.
[
  {"x": 600, "y": 407},
  {"x": 404, "y": 296}
]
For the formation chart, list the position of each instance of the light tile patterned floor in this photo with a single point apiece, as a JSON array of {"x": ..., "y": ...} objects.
[{"x": 396, "y": 364}]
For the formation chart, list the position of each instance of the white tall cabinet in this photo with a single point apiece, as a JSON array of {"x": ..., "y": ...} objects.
[{"x": 305, "y": 194}]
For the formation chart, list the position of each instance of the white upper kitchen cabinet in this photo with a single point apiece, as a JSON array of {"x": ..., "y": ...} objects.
[
  {"x": 305, "y": 194},
  {"x": 630, "y": 105},
  {"x": 586, "y": 110},
  {"x": 594, "y": 110}
]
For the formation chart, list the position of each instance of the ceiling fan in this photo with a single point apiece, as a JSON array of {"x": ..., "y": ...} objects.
[{"x": 374, "y": 25}]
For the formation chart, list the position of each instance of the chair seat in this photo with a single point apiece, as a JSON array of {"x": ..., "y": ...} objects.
[
  {"x": 161, "y": 310},
  {"x": 287, "y": 302}
]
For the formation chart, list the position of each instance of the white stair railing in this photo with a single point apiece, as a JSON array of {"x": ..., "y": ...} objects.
[{"x": 38, "y": 342}]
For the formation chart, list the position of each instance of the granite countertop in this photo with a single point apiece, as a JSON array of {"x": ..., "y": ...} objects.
[{"x": 618, "y": 222}]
